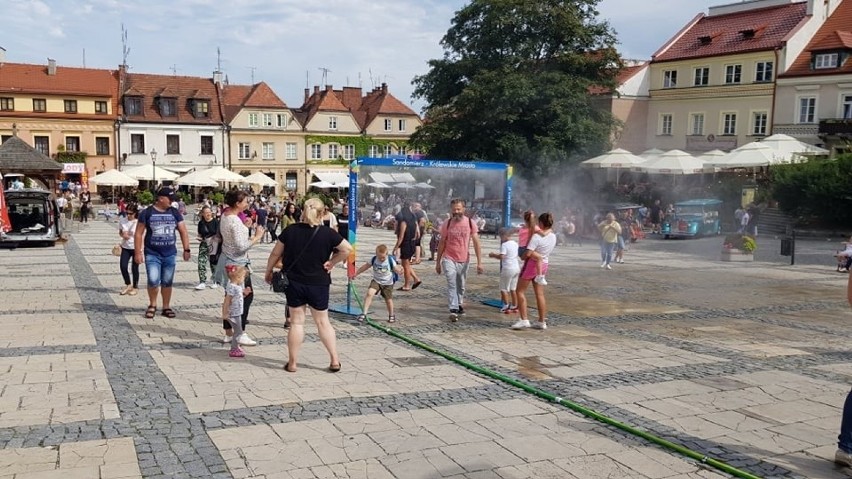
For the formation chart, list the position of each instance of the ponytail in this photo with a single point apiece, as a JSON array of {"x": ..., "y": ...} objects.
[{"x": 313, "y": 212}]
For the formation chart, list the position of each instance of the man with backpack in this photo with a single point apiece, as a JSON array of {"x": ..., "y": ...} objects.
[
  {"x": 454, "y": 255},
  {"x": 156, "y": 231}
]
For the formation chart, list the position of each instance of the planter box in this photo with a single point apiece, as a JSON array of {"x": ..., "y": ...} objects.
[{"x": 736, "y": 255}]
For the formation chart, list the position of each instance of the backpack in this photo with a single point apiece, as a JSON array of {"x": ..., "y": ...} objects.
[{"x": 392, "y": 263}]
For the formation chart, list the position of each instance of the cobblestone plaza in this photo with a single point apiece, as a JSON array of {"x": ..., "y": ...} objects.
[{"x": 747, "y": 363}]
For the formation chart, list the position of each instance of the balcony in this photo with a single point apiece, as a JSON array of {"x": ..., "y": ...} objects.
[{"x": 838, "y": 127}]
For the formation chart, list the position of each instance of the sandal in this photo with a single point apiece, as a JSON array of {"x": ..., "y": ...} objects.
[
  {"x": 403, "y": 289},
  {"x": 149, "y": 313},
  {"x": 287, "y": 368},
  {"x": 362, "y": 318},
  {"x": 415, "y": 285},
  {"x": 169, "y": 313},
  {"x": 334, "y": 369},
  {"x": 392, "y": 318}
]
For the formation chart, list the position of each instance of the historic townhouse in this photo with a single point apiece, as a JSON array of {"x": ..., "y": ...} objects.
[
  {"x": 264, "y": 135},
  {"x": 813, "y": 101},
  {"x": 172, "y": 121},
  {"x": 712, "y": 84},
  {"x": 340, "y": 125},
  {"x": 629, "y": 105},
  {"x": 67, "y": 113}
]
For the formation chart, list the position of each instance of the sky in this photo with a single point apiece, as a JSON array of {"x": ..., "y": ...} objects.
[{"x": 285, "y": 43}]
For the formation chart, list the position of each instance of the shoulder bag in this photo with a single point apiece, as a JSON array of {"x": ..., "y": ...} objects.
[{"x": 280, "y": 282}]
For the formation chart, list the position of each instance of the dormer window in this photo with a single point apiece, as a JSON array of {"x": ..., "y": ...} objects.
[
  {"x": 705, "y": 40},
  {"x": 747, "y": 34},
  {"x": 825, "y": 60},
  {"x": 168, "y": 107},
  {"x": 201, "y": 108},
  {"x": 133, "y": 105}
]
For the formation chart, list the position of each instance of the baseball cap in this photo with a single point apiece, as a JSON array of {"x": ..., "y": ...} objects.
[{"x": 166, "y": 191}]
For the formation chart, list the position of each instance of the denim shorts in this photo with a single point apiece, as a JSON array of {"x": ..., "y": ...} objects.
[
  {"x": 160, "y": 270},
  {"x": 314, "y": 295}
]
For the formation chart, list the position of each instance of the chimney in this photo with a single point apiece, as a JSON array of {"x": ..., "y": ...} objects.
[
  {"x": 307, "y": 95},
  {"x": 51, "y": 66},
  {"x": 328, "y": 88},
  {"x": 217, "y": 78},
  {"x": 316, "y": 89},
  {"x": 810, "y": 8},
  {"x": 384, "y": 87}
]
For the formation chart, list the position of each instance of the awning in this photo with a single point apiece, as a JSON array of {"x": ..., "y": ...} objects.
[
  {"x": 393, "y": 177},
  {"x": 332, "y": 177}
]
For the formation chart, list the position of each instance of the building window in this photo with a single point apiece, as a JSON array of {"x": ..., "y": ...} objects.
[
  {"x": 282, "y": 120},
  {"x": 133, "y": 105},
  {"x": 388, "y": 124},
  {"x": 316, "y": 152},
  {"x": 374, "y": 151},
  {"x": 763, "y": 72},
  {"x": 4, "y": 138},
  {"x": 39, "y": 104},
  {"x": 267, "y": 119},
  {"x": 333, "y": 151},
  {"x": 702, "y": 76},
  {"x": 202, "y": 109},
  {"x": 729, "y": 124},
  {"x": 72, "y": 143},
  {"x": 268, "y": 151},
  {"x": 244, "y": 151},
  {"x": 697, "y": 123},
  {"x": 733, "y": 74},
  {"x": 401, "y": 125},
  {"x": 669, "y": 78},
  {"x": 388, "y": 150},
  {"x": 403, "y": 150},
  {"x": 807, "y": 109},
  {"x": 349, "y": 152},
  {"x": 825, "y": 60},
  {"x": 70, "y": 106},
  {"x": 7, "y": 104},
  {"x": 172, "y": 144},
  {"x": 846, "y": 107},
  {"x": 290, "y": 151},
  {"x": 102, "y": 145},
  {"x": 332, "y": 123},
  {"x": 759, "y": 124},
  {"x": 666, "y": 124},
  {"x": 290, "y": 180},
  {"x": 42, "y": 144},
  {"x": 206, "y": 145},
  {"x": 168, "y": 107},
  {"x": 137, "y": 143},
  {"x": 252, "y": 120},
  {"x": 101, "y": 107}
]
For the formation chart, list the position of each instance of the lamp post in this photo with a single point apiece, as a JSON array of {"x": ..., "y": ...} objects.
[{"x": 154, "y": 167}]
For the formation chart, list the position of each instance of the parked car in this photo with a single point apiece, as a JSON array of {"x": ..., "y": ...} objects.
[
  {"x": 694, "y": 218},
  {"x": 493, "y": 221},
  {"x": 33, "y": 215}
]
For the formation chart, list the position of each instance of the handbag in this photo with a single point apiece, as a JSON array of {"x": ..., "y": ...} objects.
[
  {"x": 116, "y": 250},
  {"x": 280, "y": 281}
]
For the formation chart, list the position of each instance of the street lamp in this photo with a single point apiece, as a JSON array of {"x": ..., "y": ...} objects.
[{"x": 154, "y": 167}]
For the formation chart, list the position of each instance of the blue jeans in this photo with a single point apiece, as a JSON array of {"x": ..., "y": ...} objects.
[
  {"x": 160, "y": 270},
  {"x": 844, "y": 440},
  {"x": 607, "y": 252}
]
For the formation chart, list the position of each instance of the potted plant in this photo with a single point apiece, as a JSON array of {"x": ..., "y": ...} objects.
[{"x": 738, "y": 247}]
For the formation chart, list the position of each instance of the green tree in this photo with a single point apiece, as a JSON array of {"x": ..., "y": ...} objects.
[
  {"x": 513, "y": 84},
  {"x": 817, "y": 191}
]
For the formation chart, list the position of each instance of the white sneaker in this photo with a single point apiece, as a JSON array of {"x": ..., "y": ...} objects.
[
  {"x": 213, "y": 285},
  {"x": 540, "y": 280},
  {"x": 504, "y": 308},
  {"x": 226, "y": 339},
  {"x": 608, "y": 267},
  {"x": 843, "y": 458},
  {"x": 245, "y": 340},
  {"x": 201, "y": 286},
  {"x": 603, "y": 265},
  {"x": 521, "y": 324},
  {"x": 539, "y": 325}
]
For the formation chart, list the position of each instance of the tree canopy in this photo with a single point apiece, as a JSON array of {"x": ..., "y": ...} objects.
[
  {"x": 514, "y": 81},
  {"x": 817, "y": 191}
]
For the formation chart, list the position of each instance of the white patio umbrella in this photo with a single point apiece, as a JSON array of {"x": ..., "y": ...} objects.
[
  {"x": 322, "y": 184},
  {"x": 403, "y": 186},
  {"x": 114, "y": 178},
  {"x": 150, "y": 172},
  {"x": 673, "y": 162},
  {"x": 195, "y": 179},
  {"x": 652, "y": 153},
  {"x": 378, "y": 184},
  {"x": 221, "y": 174},
  {"x": 750, "y": 155},
  {"x": 709, "y": 156},
  {"x": 617, "y": 158},
  {"x": 424, "y": 186},
  {"x": 260, "y": 179},
  {"x": 788, "y": 149}
]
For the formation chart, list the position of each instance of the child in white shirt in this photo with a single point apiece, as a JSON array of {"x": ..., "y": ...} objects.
[
  {"x": 510, "y": 270},
  {"x": 386, "y": 270}
]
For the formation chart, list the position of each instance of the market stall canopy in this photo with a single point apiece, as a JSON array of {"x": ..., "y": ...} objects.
[
  {"x": 147, "y": 172},
  {"x": 673, "y": 162},
  {"x": 403, "y": 186},
  {"x": 195, "y": 179},
  {"x": 789, "y": 149},
  {"x": 750, "y": 155},
  {"x": 260, "y": 179},
  {"x": 617, "y": 158},
  {"x": 114, "y": 178},
  {"x": 378, "y": 184}
]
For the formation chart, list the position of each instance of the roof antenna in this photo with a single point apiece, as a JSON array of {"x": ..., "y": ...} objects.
[
  {"x": 252, "y": 73},
  {"x": 174, "y": 69},
  {"x": 84, "y": 58},
  {"x": 125, "y": 50},
  {"x": 325, "y": 72},
  {"x": 218, "y": 59}
]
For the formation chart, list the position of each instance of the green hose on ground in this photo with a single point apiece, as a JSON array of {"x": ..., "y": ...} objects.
[{"x": 561, "y": 401}]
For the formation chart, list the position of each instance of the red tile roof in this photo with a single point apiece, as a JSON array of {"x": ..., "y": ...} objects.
[
  {"x": 236, "y": 97},
  {"x": 625, "y": 74},
  {"x": 834, "y": 34},
  {"x": 364, "y": 109},
  {"x": 724, "y": 34},
  {"x": 181, "y": 87}
]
